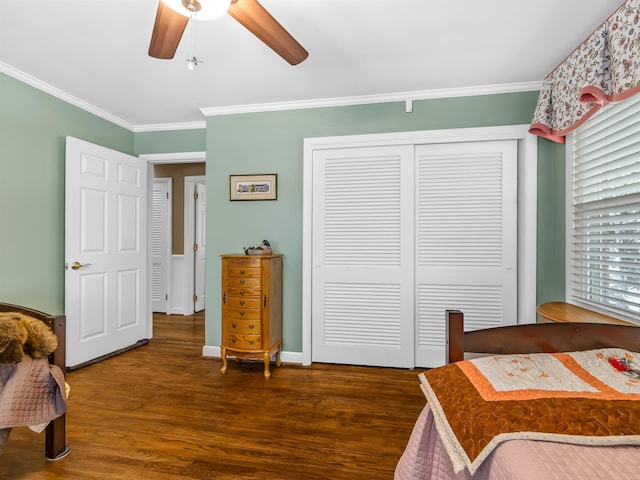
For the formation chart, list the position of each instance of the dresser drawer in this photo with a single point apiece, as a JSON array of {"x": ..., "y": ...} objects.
[
  {"x": 242, "y": 292},
  {"x": 248, "y": 282},
  {"x": 243, "y": 313},
  {"x": 243, "y": 341},
  {"x": 250, "y": 327},
  {"x": 243, "y": 271},
  {"x": 243, "y": 301},
  {"x": 243, "y": 262}
]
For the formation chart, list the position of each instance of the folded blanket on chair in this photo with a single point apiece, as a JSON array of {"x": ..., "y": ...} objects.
[{"x": 32, "y": 392}]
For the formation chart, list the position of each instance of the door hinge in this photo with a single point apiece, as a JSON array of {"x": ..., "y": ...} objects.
[
  {"x": 195, "y": 298},
  {"x": 195, "y": 247},
  {"x": 167, "y": 195},
  {"x": 166, "y": 296},
  {"x": 195, "y": 195}
]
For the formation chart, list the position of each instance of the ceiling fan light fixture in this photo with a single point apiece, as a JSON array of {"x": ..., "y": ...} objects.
[
  {"x": 199, "y": 9},
  {"x": 193, "y": 62}
]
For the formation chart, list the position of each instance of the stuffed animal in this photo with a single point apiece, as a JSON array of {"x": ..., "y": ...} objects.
[{"x": 24, "y": 335}]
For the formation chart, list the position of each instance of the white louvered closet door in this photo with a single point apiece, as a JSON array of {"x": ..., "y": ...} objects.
[
  {"x": 160, "y": 245},
  {"x": 362, "y": 300},
  {"x": 466, "y": 239}
]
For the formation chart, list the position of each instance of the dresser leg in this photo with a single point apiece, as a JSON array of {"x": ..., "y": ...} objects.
[
  {"x": 223, "y": 354},
  {"x": 278, "y": 362},
  {"x": 267, "y": 359}
]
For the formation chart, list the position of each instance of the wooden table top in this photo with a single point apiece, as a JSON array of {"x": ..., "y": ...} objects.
[{"x": 563, "y": 312}]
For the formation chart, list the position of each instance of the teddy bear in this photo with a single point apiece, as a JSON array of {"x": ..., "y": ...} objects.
[{"x": 24, "y": 335}]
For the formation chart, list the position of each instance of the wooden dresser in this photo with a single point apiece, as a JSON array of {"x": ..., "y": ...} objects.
[{"x": 251, "y": 308}]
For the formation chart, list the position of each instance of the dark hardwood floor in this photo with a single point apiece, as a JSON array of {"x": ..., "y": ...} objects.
[{"x": 162, "y": 412}]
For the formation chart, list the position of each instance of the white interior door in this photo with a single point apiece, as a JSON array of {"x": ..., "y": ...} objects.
[
  {"x": 160, "y": 244},
  {"x": 105, "y": 250},
  {"x": 362, "y": 300},
  {"x": 466, "y": 239},
  {"x": 200, "y": 253}
]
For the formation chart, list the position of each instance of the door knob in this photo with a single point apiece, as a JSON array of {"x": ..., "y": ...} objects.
[{"x": 77, "y": 265}]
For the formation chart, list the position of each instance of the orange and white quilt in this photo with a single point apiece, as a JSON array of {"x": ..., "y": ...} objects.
[{"x": 585, "y": 398}]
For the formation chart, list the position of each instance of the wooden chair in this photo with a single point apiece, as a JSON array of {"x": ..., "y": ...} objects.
[{"x": 55, "y": 435}]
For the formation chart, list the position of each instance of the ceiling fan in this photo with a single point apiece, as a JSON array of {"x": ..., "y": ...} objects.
[{"x": 173, "y": 15}]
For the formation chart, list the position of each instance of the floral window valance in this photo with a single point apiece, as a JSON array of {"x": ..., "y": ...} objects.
[{"x": 604, "y": 68}]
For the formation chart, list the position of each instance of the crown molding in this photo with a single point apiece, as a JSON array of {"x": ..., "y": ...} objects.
[
  {"x": 163, "y": 127},
  {"x": 406, "y": 97},
  {"x": 369, "y": 99},
  {"x": 62, "y": 95},
  {"x": 179, "y": 157}
]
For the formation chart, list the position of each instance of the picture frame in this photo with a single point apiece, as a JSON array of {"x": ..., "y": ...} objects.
[{"x": 253, "y": 187}]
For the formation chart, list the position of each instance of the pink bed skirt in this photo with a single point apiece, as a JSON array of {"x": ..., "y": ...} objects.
[{"x": 425, "y": 458}]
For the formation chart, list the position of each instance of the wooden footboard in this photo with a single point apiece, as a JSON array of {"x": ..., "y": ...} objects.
[
  {"x": 536, "y": 337},
  {"x": 55, "y": 441}
]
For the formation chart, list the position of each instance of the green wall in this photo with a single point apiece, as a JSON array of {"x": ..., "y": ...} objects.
[
  {"x": 273, "y": 143},
  {"x": 551, "y": 222},
  {"x": 171, "y": 141},
  {"x": 33, "y": 127}
]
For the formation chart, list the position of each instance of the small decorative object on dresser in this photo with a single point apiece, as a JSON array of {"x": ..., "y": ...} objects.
[
  {"x": 251, "y": 308},
  {"x": 263, "y": 249}
]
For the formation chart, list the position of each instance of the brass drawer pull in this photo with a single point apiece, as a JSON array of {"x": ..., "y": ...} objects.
[
  {"x": 242, "y": 282},
  {"x": 234, "y": 325},
  {"x": 241, "y": 272},
  {"x": 251, "y": 327},
  {"x": 251, "y": 342},
  {"x": 242, "y": 314},
  {"x": 241, "y": 302},
  {"x": 233, "y": 340},
  {"x": 241, "y": 292}
]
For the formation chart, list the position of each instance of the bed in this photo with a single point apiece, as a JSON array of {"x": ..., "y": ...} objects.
[
  {"x": 535, "y": 401},
  {"x": 50, "y": 409}
]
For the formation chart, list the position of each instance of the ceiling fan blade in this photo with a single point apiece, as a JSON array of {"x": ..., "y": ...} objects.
[
  {"x": 258, "y": 21},
  {"x": 167, "y": 32}
]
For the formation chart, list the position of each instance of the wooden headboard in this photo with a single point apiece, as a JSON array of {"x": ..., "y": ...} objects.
[
  {"x": 55, "y": 441},
  {"x": 536, "y": 337}
]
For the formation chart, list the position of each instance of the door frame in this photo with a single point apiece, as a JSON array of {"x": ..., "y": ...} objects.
[
  {"x": 159, "y": 158},
  {"x": 527, "y": 206}
]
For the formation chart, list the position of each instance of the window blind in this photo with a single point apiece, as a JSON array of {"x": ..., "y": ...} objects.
[{"x": 604, "y": 248}]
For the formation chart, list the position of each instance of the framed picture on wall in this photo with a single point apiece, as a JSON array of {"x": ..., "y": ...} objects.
[{"x": 253, "y": 187}]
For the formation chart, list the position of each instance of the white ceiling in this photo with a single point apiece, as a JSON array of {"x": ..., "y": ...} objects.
[{"x": 94, "y": 53}]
